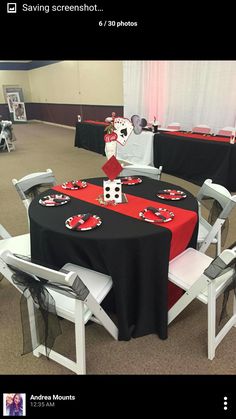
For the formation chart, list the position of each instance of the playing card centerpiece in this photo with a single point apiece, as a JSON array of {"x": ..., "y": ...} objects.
[
  {"x": 118, "y": 131},
  {"x": 112, "y": 188}
]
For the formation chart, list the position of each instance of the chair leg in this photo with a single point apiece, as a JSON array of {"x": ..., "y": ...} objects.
[
  {"x": 33, "y": 328},
  {"x": 80, "y": 338},
  {"x": 211, "y": 320},
  {"x": 218, "y": 244},
  {"x": 234, "y": 307}
]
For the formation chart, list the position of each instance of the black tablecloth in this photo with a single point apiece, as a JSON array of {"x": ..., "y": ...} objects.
[
  {"x": 90, "y": 137},
  {"x": 134, "y": 253},
  {"x": 196, "y": 160}
]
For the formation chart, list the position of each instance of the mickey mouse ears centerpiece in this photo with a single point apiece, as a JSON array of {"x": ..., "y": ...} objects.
[
  {"x": 138, "y": 124},
  {"x": 112, "y": 189}
]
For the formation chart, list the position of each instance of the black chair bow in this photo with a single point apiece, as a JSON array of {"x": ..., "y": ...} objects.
[
  {"x": 46, "y": 319},
  {"x": 218, "y": 268}
]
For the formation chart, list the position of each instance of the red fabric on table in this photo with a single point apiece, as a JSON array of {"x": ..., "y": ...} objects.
[
  {"x": 88, "y": 121},
  {"x": 201, "y": 136},
  {"x": 182, "y": 225},
  {"x": 132, "y": 208}
]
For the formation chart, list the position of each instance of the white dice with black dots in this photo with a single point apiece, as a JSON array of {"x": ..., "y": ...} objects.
[{"x": 112, "y": 190}]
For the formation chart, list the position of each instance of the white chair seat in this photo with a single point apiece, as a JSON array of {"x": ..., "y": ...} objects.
[
  {"x": 98, "y": 284},
  {"x": 17, "y": 244},
  {"x": 186, "y": 269}
]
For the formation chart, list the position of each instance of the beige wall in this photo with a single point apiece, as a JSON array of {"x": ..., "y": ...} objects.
[
  {"x": 13, "y": 78},
  {"x": 82, "y": 82}
]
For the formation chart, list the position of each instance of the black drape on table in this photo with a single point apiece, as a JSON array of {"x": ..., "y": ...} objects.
[
  {"x": 196, "y": 160},
  {"x": 134, "y": 253},
  {"x": 90, "y": 137}
]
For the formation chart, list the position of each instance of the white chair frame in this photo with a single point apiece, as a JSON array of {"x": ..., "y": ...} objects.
[
  {"x": 29, "y": 181},
  {"x": 211, "y": 234},
  {"x": 142, "y": 170},
  {"x": 8, "y": 143},
  {"x": 187, "y": 272}
]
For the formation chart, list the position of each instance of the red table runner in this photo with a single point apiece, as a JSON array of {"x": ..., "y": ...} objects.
[
  {"x": 200, "y": 136},
  {"x": 182, "y": 226},
  {"x": 88, "y": 121}
]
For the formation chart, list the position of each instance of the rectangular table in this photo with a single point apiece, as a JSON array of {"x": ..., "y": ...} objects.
[
  {"x": 196, "y": 158},
  {"x": 90, "y": 136}
]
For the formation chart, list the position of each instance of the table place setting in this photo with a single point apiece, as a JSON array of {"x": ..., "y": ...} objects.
[
  {"x": 130, "y": 180},
  {"x": 54, "y": 200},
  {"x": 74, "y": 184},
  {"x": 83, "y": 222},
  {"x": 156, "y": 215},
  {"x": 171, "y": 194}
]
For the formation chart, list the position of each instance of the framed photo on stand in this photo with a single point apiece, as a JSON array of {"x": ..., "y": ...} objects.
[{"x": 19, "y": 113}]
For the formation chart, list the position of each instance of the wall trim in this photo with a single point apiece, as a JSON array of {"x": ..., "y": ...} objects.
[
  {"x": 51, "y": 123},
  {"x": 25, "y": 66}
]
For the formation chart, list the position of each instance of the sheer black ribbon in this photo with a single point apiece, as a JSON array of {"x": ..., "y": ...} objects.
[
  {"x": 34, "y": 191},
  {"x": 47, "y": 325},
  {"x": 218, "y": 268},
  {"x": 214, "y": 208}
]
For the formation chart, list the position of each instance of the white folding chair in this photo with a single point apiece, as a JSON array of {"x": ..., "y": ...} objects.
[
  {"x": 207, "y": 233},
  {"x": 227, "y": 131},
  {"x": 93, "y": 286},
  {"x": 30, "y": 185},
  {"x": 201, "y": 129},
  {"x": 174, "y": 125},
  {"x": 17, "y": 244},
  {"x": 6, "y": 136},
  {"x": 142, "y": 170},
  {"x": 203, "y": 278}
]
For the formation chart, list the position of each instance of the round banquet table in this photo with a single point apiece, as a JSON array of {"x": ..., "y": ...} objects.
[{"x": 134, "y": 252}]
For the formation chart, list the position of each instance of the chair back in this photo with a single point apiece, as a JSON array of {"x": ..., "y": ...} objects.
[
  {"x": 201, "y": 129},
  {"x": 29, "y": 186},
  {"x": 218, "y": 193},
  {"x": 227, "y": 131},
  {"x": 174, "y": 125},
  {"x": 142, "y": 170}
]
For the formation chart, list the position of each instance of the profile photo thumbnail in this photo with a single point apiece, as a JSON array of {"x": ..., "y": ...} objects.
[{"x": 14, "y": 404}]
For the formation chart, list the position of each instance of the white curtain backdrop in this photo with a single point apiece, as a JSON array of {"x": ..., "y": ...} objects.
[
  {"x": 188, "y": 92},
  {"x": 145, "y": 88}
]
